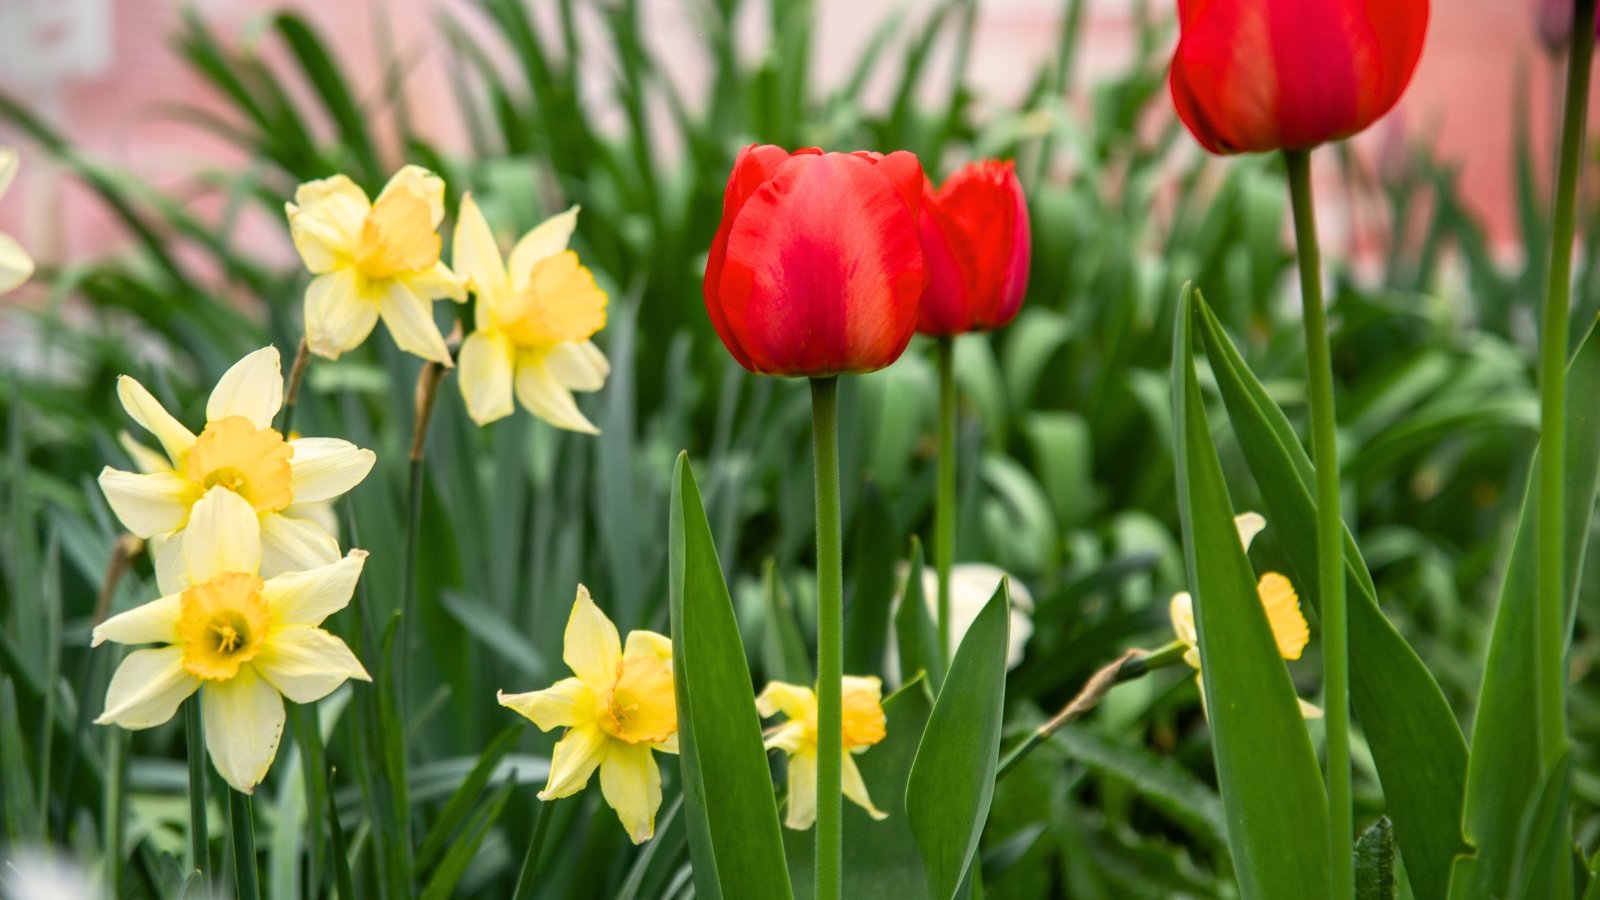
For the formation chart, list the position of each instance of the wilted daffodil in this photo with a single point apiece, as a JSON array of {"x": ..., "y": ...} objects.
[
  {"x": 1278, "y": 598},
  {"x": 863, "y": 725},
  {"x": 618, "y": 707},
  {"x": 243, "y": 642},
  {"x": 15, "y": 264},
  {"x": 283, "y": 481},
  {"x": 373, "y": 259},
  {"x": 535, "y": 314}
]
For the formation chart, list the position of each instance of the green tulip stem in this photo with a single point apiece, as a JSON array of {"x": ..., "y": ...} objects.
[
  {"x": 195, "y": 740},
  {"x": 1550, "y": 611},
  {"x": 944, "y": 513},
  {"x": 830, "y": 639},
  {"x": 1330, "y": 533}
]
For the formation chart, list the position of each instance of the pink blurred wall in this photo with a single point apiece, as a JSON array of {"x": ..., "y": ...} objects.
[{"x": 103, "y": 72}]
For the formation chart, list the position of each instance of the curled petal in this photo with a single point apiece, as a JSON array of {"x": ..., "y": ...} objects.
[
  {"x": 325, "y": 468},
  {"x": 418, "y": 180},
  {"x": 307, "y": 597},
  {"x": 1249, "y": 524},
  {"x": 147, "y": 688},
  {"x": 569, "y": 703},
  {"x": 578, "y": 366},
  {"x": 305, "y": 663},
  {"x": 794, "y": 701},
  {"x": 154, "y": 418},
  {"x": 856, "y": 789},
  {"x": 574, "y": 759},
  {"x": 244, "y": 723}
]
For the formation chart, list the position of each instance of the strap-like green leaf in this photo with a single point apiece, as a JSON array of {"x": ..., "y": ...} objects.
[
  {"x": 733, "y": 830},
  {"x": 916, "y": 635},
  {"x": 1272, "y": 794}
]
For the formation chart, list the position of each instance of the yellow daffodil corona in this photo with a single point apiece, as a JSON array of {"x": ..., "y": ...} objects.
[
  {"x": 1278, "y": 599},
  {"x": 863, "y": 725},
  {"x": 535, "y": 314},
  {"x": 243, "y": 642},
  {"x": 15, "y": 264},
  {"x": 373, "y": 260},
  {"x": 618, "y": 707},
  {"x": 285, "y": 482}
]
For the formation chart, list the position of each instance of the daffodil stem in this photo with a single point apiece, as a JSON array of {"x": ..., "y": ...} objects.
[
  {"x": 314, "y": 772},
  {"x": 830, "y": 638},
  {"x": 199, "y": 840},
  {"x": 427, "y": 393},
  {"x": 528, "y": 878},
  {"x": 1330, "y": 532},
  {"x": 297, "y": 374},
  {"x": 1550, "y": 610},
  {"x": 944, "y": 512},
  {"x": 242, "y": 829}
]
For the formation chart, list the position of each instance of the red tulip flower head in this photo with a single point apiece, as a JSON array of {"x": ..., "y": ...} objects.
[
  {"x": 1258, "y": 75},
  {"x": 817, "y": 269},
  {"x": 976, "y": 238}
]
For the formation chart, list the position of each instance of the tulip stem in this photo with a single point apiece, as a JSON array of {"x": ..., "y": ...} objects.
[
  {"x": 195, "y": 740},
  {"x": 944, "y": 513},
  {"x": 242, "y": 830},
  {"x": 1330, "y": 532},
  {"x": 830, "y": 638}
]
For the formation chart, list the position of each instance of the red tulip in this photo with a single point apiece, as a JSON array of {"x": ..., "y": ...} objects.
[
  {"x": 816, "y": 269},
  {"x": 975, "y": 235},
  {"x": 1255, "y": 75}
]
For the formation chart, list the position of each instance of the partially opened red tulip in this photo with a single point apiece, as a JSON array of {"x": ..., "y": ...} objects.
[
  {"x": 976, "y": 238},
  {"x": 1258, "y": 75},
  {"x": 817, "y": 269}
]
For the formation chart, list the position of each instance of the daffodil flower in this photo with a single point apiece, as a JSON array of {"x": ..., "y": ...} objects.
[
  {"x": 863, "y": 725},
  {"x": 243, "y": 642},
  {"x": 15, "y": 264},
  {"x": 1278, "y": 599},
  {"x": 373, "y": 259},
  {"x": 285, "y": 482},
  {"x": 618, "y": 707},
  {"x": 535, "y": 314}
]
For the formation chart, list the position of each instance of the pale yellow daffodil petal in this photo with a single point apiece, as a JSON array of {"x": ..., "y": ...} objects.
[
  {"x": 486, "y": 371},
  {"x": 154, "y": 418},
  {"x": 337, "y": 205},
  {"x": 789, "y": 737},
  {"x": 16, "y": 266},
  {"x": 562, "y": 301},
  {"x": 290, "y": 544},
  {"x": 305, "y": 663},
  {"x": 591, "y": 647},
  {"x": 631, "y": 783},
  {"x": 574, "y": 759},
  {"x": 670, "y": 745},
  {"x": 546, "y": 240},
  {"x": 310, "y": 596},
  {"x": 545, "y": 397},
  {"x": 9, "y": 161},
  {"x": 409, "y": 318},
  {"x": 647, "y": 644},
  {"x": 1249, "y": 524},
  {"x": 797, "y": 702},
  {"x": 166, "y": 551},
  {"x": 146, "y": 689},
  {"x": 144, "y": 459},
  {"x": 418, "y": 181},
  {"x": 437, "y": 282},
  {"x": 578, "y": 366},
  {"x": 1309, "y": 710},
  {"x": 155, "y": 622},
  {"x": 569, "y": 703},
  {"x": 1283, "y": 614},
  {"x": 325, "y": 468},
  {"x": 223, "y": 536},
  {"x": 475, "y": 254},
  {"x": 251, "y": 388},
  {"x": 339, "y": 315},
  {"x": 244, "y": 723},
  {"x": 147, "y": 504},
  {"x": 855, "y": 789},
  {"x": 802, "y": 812}
]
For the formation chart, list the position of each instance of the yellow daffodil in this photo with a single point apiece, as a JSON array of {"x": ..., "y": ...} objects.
[
  {"x": 618, "y": 707},
  {"x": 1278, "y": 599},
  {"x": 287, "y": 483},
  {"x": 371, "y": 260},
  {"x": 243, "y": 642},
  {"x": 535, "y": 314},
  {"x": 863, "y": 725},
  {"x": 15, "y": 264}
]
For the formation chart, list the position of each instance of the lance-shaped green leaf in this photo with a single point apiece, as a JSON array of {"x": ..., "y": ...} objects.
[
  {"x": 1415, "y": 740},
  {"x": 732, "y": 817},
  {"x": 1272, "y": 794},
  {"x": 952, "y": 778},
  {"x": 916, "y": 635}
]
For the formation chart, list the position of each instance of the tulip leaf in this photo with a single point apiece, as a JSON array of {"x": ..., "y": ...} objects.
[
  {"x": 1267, "y": 773},
  {"x": 734, "y": 839},
  {"x": 916, "y": 635},
  {"x": 1415, "y": 740},
  {"x": 952, "y": 777}
]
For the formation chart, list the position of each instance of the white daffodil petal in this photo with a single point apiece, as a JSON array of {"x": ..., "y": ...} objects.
[
  {"x": 339, "y": 316},
  {"x": 146, "y": 689},
  {"x": 546, "y": 239},
  {"x": 146, "y": 504},
  {"x": 306, "y": 597},
  {"x": 410, "y": 321},
  {"x": 539, "y": 391},
  {"x": 591, "y": 647},
  {"x": 154, "y": 418},
  {"x": 306, "y": 663},
  {"x": 802, "y": 791},
  {"x": 631, "y": 784},
  {"x": 167, "y": 552},
  {"x": 224, "y": 535},
  {"x": 252, "y": 388},
  {"x": 856, "y": 790},
  {"x": 320, "y": 513},
  {"x": 578, "y": 366},
  {"x": 569, "y": 703},
  {"x": 244, "y": 723},
  {"x": 325, "y": 468},
  {"x": 16, "y": 266},
  {"x": 486, "y": 372},
  {"x": 574, "y": 759},
  {"x": 474, "y": 253},
  {"x": 1249, "y": 524},
  {"x": 155, "y": 622},
  {"x": 289, "y": 544}
]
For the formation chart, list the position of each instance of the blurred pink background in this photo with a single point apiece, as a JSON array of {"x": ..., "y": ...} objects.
[{"x": 103, "y": 72}]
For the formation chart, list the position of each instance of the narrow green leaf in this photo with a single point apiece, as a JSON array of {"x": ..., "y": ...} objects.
[
  {"x": 342, "y": 878},
  {"x": 461, "y": 802},
  {"x": 1161, "y": 780},
  {"x": 952, "y": 778},
  {"x": 734, "y": 839},
  {"x": 1375, "y": 861},
  {"x": 783, "y": 649},
  {"x": 871, "y": 561},
  {"x": 916, "y": 635},
  {"x": 442, "y": 883},
  {"x": 1416, "y": 743},
  {"x": 1271, "y": 787},
  {"x": 1541, "y": 866},
  {"x": 323, "y": 72}
]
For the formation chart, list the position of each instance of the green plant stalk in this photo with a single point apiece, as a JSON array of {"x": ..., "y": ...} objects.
[
  {"x": 291, "y": 394},
  {"x": 830, "y": 639},
  {"x": 242, "y": 830},
  {"x": 944, "y": 513},
  {"x": 1550, "y": 610},
  {"x": 528, "y": 878},
  {"x": 313, "y": 765},
  {"x": 1330, "y": 532},
  {"x": 194, "y": 737}
]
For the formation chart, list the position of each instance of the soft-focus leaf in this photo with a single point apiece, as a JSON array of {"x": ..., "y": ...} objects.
[
  {"x": 916, "y": 634},
  {"x": 1375, "y": 862}
]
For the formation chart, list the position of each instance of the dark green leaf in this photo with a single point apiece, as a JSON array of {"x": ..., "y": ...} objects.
[
  {"x": 916, "y": 635},
  {"x": 1375, "y": 861}
]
